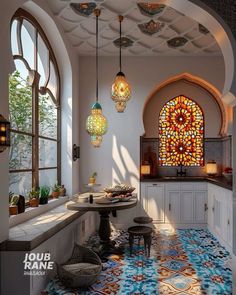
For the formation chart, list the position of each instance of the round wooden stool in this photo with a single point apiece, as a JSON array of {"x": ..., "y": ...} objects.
[
  {"x": 140, "y": 231},
  {"x": 143, "y": 220}
]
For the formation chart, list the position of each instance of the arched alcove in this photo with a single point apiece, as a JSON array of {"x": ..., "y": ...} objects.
[{"x": 206, "y": 95}]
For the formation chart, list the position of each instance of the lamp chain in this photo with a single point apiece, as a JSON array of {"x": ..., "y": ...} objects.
[
  {"x": 120, "y": 20},
  {"x": 97, "y": 14}
]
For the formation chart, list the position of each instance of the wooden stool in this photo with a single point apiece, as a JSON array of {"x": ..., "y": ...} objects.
[
  {"x": 143, "y": 220},
  {"x": 140, "y": 231}
]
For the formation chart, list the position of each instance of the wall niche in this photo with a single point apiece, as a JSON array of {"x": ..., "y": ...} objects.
[{"x": 217, "y": 140}]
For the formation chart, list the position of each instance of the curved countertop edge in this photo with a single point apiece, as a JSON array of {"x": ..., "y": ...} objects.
[
  {"x": 220, "y": 181},
  {"x": 75, "y": 205}
]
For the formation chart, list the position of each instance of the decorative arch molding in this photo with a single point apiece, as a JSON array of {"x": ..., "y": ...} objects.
[
  {"x": 205, "y": 13},
  {"x": 199, "y": 82}
]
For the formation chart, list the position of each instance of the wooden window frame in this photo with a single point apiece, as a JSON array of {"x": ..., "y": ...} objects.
[{"x": 20, "y": 16}]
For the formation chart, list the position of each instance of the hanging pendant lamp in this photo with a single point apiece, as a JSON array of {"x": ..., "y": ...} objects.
[
  {"x": 121, "y": 90},
  {"x": 96, "y": 123}
]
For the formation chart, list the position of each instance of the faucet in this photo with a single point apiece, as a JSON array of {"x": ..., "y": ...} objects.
[{"x": 182, "y": 171}]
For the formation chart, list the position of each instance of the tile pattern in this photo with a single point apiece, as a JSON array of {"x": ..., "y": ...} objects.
[
  {"x": 78, "y": 22},
  {"x": 182, "y": 262},
  {"x": 218, "y": 149}
]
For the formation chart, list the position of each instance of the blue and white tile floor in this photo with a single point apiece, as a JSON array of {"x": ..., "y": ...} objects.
[{"x": 182, "y": 262}]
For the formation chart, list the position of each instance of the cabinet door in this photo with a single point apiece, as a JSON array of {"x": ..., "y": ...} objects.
[
  {"x": 217, "y": 214},
  {"x": 230, "y": 222},
  {"x": 173, "y": 207},
  {"x": 155, "y": 204},
  {"x": 200, "y": 207},
  {"x": 187, "y": 207},
  {"x": 210, "y": 212}
]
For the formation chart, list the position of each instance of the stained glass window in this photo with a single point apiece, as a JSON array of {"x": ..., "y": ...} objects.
[{"x": 181, "y": 133}]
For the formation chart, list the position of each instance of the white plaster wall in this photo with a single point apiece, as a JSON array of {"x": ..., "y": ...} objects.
[
  {"x": 207, "y": 102},
  {"x": 60, "y": 246},
  {"x": 6, "y": 65},
  {"x": 68, "y": 67},
  {"x": 118, "y": 157}
]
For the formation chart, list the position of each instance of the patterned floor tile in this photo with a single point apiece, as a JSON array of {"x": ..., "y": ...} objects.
[{"x": 183, "y": 262}]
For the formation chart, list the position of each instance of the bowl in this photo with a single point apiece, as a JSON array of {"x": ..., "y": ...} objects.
[{"x": 119, "y": 192}]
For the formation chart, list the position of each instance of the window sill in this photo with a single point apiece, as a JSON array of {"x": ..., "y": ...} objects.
[
  {"x": 29, "y": 234},
  {"x": 31, "y": 212}
]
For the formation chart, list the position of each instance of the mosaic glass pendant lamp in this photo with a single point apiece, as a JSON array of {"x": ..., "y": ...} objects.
[
  {"x": 121, "y": 90},
  {"x": 96, "y": 123}
]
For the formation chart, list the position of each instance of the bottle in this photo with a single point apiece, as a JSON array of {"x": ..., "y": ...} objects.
[{"x": 91, "y": 199}]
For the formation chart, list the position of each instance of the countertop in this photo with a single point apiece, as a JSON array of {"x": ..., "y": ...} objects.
[{"x": 220, "y": 181}]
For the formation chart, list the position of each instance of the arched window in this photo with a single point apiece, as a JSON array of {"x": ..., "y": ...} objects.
[
  {"x": 181, "y": 133},
  {"x": 34, "y": 104}
]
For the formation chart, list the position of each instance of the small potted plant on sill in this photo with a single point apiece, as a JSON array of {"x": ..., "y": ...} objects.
[
  {"x": 92, "y": 178},
  {"x": 13, "y": 204},
  {"x": 34, "y": 198},
  {"x": 63, "y": 191},
  {"x": 56, "y": 190},
  {"x": 44, "y": 194}
]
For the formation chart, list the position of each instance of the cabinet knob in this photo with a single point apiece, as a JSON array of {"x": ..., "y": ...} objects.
[
  {"x": 228, "y": 222},
  {"x": 169, "y": 207},
  {"x": 205, "y": 207},
  {"x": 213, "y": 209},
  {"x": 154, "y": 184}
]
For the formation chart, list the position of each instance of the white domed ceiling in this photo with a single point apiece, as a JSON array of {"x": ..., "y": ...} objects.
[{"x": 148, "y": 29}]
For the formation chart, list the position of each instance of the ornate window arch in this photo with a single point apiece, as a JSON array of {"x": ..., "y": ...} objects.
[
  {"x": 181, "y": 133},
  {"x": 34, "y": 105}
]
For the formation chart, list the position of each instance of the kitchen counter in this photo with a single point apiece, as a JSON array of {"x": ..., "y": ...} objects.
[{"x": 220, "y": 181}]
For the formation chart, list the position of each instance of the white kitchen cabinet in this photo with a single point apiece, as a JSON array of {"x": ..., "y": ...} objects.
[
  {"x": 210, "y": 215},
  {"x": 154, "y": 201},
  {"x": 220, "y": 214},
  {"x": 187, "y": 207},
  {"x": 200, "y": 206},
  {"x": 172, "y": 207},
  {"x": 186, "y": 203}
]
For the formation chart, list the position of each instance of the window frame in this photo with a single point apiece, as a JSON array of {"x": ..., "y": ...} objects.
[{"x": 21, "y": 15}]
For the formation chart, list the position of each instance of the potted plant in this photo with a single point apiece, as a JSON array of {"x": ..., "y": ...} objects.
[
  {"x": 13, "y": 202},
  {"x": 56, "y": 190},
  {"x": 92, "y": 178},
  {"x": 43, "y": 194},
  {"x": 34, "y": 198},
  {"x": 63, "y": 191}
]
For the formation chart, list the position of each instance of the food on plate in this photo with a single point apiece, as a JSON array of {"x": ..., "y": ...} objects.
[{"x": 119, "y": 188}]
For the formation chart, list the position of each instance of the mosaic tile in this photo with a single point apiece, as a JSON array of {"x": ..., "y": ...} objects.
[
  {"x": 84, "y": 9},
  {"x": 184, "y": 262},
  {"x": 150, "y": 9}
]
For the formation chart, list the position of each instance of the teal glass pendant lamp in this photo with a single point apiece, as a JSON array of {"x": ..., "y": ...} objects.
[
  {"x": 121, "y": 90},
  {"x": 96, "y": 123}
]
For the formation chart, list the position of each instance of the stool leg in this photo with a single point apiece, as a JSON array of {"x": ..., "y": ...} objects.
[
  {"x": 148, "y": 242},
  {"x": 145, "y": 245},
  {"x": 131, "y": 241},
  {"x": 139, "y": 238}
]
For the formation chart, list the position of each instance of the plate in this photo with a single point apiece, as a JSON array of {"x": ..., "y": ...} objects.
[
  {"x": 106, "y": 201},
  {"x": 126, "y": 199}
]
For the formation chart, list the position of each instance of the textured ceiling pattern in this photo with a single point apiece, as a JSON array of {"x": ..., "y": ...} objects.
[{"x": 147, "y": 29}]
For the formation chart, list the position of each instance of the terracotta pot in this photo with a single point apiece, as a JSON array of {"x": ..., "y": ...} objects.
[
  {"x": 13, "y": 210},
  {"x": 34, "y": 202},
  {"x": 92, "y": 180},
  {"x": 56, "y": 195}
]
